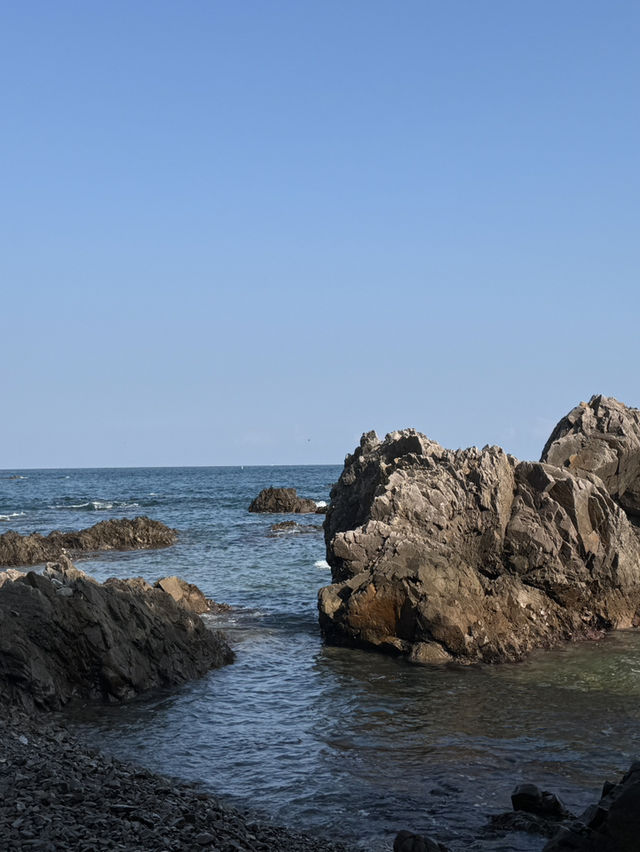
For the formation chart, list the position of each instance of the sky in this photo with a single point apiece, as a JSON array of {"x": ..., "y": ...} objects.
[{"x": 247, "y": 232}]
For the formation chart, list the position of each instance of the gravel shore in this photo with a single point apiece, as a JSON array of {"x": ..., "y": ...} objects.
[{"x": 57, "y": 795}]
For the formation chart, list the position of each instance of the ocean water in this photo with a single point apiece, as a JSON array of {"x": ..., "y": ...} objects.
[{"x": 349, "y": 744}]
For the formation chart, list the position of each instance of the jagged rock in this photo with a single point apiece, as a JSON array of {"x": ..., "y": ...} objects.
[
  {"x": 283, "y": 501},
  {"x": 601, "y": 437},
  {"x": 613, "y": 825},
  {"x": 189, "y": 596},
  {"x": 471, "y": 555},
  {"x": 63, "y": 635},
  {"x": 117, "y": 534}
]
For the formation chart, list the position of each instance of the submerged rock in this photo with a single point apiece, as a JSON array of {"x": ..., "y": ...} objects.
[
  {"x": 116, "y": 534},
  {"x": 282, "y": 501},
  {"x": 63, "y": 635},
  {"x": 471, "y": 555},
  {"x": 601, "y": 437}
]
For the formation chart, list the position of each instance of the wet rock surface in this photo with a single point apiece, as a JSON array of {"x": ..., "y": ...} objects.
[
  {"x": 612, "y": 825},
  {"x": 601, "y": 437},
  {"x": 63, "y": 635},
  {"x": 58, "y": 795},
  {"x": 282, "y": 501},
  {"x": 406, "y": 841},
  {"x": 116, "y": 534},
  {"x": 470, "y": 555},
  {"x": 535, "y": 811}
]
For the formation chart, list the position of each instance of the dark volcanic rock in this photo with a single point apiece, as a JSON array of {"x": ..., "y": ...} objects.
[
  {"x": 282, "y": 501},
  {"x": 613, "y": 825},
  {"x": 116, "y": 534},
  {"x": 601, "y": 437},
  {"x": 62, "y": 635},
  {"x": 471, "y": 555}
]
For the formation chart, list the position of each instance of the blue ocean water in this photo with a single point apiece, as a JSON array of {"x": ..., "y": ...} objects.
[{"x": 343, "y": 742}]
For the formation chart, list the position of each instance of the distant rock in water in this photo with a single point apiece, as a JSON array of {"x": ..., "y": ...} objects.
[
  {"x": 471, "y": 555},
  {"x": 282, "y": 501},
  {"x": 601, "y": 437},
  {"x": 116, "y": 534},
  {"x": 63, "y": 635}
]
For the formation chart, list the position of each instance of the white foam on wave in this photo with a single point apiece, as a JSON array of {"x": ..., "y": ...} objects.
[
  {"x": 12, "y": 515},
  {"x": 321, "y": 503},
  {"x": 98, "y": 505},
  {"x": 321, "y": 563}
]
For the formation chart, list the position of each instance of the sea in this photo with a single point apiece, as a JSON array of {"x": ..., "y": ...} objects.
[{"x": 348, "y": 744}]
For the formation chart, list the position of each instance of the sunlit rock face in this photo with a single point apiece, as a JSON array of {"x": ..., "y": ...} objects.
[
  {"x": 601, "y": 437},
  {"x": 470, "y": 555}
]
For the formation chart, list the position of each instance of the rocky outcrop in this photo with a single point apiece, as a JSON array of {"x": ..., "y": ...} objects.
[
  {"x": 189, "y": 596},
  {"x": 601, "y": 437},
  {"x": 613, "y": 825},
  {"x": 117, "y": 534},
  {"x": 471, "y": 555},
  {"x": 63, "y": 635},
  {"x": 284, "y": 501}
]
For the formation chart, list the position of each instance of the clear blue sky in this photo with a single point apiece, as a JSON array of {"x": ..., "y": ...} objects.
[{"x": 246, "y": 232}]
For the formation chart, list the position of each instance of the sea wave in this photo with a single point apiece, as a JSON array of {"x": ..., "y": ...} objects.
[
  {"x": 98, "y": 505},
  {"x": 321, "y": 503},
  {"x": 12, "y": 515},
  {"x": 321, "y": 563}
]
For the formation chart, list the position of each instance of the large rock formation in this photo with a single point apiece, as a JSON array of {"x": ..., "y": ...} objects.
[
  {"x": 601, "y": 437},
  {"x": 471, "y": 555},
  {"x": 117, "y": 534},
  {"x": 63, "y": 635},
  {"x": 284, "y": 501}
]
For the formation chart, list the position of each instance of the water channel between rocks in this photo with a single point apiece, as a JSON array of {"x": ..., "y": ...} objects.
[{"x": 348, "y": 743}]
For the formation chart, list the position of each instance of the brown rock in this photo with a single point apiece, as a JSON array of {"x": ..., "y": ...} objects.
[
  {"x": 282, "y": 501},
  {"x": 117, "y": 534},
  {"x": 471, "y": 555},
  {"x": 189, "y": 596},
  {"x": 601, "y": 437}
]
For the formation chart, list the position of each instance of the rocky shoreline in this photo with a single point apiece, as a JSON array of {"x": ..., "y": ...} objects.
[{"x": 56, "y": 795}]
